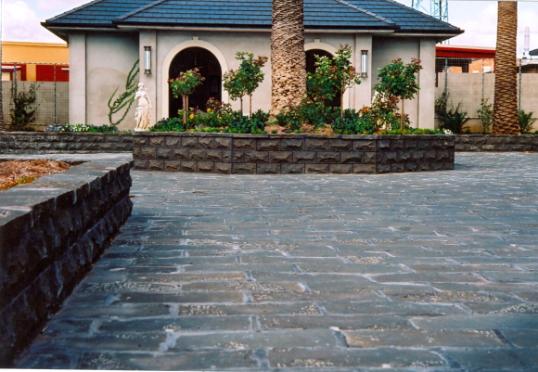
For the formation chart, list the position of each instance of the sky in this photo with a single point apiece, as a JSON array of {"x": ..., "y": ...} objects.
[{"x": 21, "y": 20}]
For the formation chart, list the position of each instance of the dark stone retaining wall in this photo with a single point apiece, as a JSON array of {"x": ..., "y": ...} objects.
[
  {"x": 28, "y": 143},
  {"x": 51, "y": 231},
  {"x": 35, "y": 143},
  {"x": 496, "y": 143},
  {"x": 246, "y": 154}
]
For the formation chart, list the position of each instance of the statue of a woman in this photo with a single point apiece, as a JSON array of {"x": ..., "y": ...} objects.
[{"x": 143, "y": 108}]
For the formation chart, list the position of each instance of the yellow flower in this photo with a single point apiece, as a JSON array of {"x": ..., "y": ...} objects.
[
  {"x": 191, "y": 116},
  {"x": 209, "y": 110}
]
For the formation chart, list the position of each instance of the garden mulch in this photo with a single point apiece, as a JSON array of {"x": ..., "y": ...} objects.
[{"x": 17, "y": 172}]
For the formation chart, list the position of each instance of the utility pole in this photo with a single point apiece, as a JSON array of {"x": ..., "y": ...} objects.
[{"x": 439, "y": 9}]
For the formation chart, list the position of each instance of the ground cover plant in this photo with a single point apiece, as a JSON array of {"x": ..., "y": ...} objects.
[
  {"x": 315, "y": 114},
  {"x": 17, "y": 172},
  {"x": 526, "y": 121},
  {"x": 82, "y": 128}
]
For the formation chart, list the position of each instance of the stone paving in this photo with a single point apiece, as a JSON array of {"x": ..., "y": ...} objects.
[{"x": 408, "y": 271}]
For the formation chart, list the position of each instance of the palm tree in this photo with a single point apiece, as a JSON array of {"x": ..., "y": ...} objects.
[
  {"x": 506, "y": 115},
  {"x": 288, "y": 60}
]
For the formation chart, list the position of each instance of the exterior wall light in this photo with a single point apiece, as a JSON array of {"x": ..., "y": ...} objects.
[
  {"x": 147, "y": 60},
  {"x": 364, "y": 63}
]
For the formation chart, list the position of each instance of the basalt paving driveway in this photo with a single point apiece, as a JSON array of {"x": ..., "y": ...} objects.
[{"x": 430, "y": 270}]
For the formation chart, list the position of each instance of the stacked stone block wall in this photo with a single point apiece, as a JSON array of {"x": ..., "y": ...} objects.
[
  {"x": 244, "y": 154},
  {"x": 25, "y": 142},
  {"x": 51, "y": 232},
  {"x": 35, "y": 143},
  {"x": 496, "y": 143}
]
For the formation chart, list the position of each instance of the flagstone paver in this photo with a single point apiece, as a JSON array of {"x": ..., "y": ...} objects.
[{"x": 431, "y": 270}]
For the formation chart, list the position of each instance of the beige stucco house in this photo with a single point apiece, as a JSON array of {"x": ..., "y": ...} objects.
[{"x": 106, "y": 37}]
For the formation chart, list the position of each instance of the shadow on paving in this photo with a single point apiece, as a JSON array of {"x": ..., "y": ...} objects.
[{"x": 426, "y": 270}]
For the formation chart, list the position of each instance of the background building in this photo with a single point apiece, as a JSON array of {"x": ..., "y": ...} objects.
[{"x": 39, "y": 62}]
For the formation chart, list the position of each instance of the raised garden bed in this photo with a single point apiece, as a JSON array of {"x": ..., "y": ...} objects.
[
  {"x": 51, "y": 231},
  {"x": 287, "y": 154}
]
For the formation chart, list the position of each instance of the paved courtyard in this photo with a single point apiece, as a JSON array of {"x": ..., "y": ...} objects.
[{"x": 425, "y": 270}]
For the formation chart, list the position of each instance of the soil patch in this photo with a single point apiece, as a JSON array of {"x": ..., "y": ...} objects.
[{"x": 19, "y": 172}]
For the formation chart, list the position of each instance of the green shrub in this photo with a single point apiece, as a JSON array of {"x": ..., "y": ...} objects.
[
  {"x": 169, "y": 125},
  {"x": 317, "y": 113},
  {"x": 526, "y": 121},
  {"x": 452, "y": 118},
  {"x": 24, "y": 106},
  {"x": 245, "y": 124},
  {"x": 351, "y": 122},
  {"x": 208, "y": 119},
  {"x": 290, "y": 119},
  {"x": 485, "y": 114}
]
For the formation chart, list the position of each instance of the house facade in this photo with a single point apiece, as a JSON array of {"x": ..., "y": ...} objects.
[{"x": 107, "y": 37}]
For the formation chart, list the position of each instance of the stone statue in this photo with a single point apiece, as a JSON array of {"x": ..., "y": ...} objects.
[{"x": 143, "y": 109}]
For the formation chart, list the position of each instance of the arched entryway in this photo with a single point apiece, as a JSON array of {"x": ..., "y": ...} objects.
[
  {"x": 311, "y": 67},
  {"x": 209, "y": 66}
]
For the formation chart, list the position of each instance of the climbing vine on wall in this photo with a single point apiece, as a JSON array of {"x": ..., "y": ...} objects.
[{"x": 124, "y": 101}]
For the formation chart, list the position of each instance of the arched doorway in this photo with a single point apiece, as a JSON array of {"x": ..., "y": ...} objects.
[
  {"x": 210, "y": 69},
  {"x": 311, "y": 68}
]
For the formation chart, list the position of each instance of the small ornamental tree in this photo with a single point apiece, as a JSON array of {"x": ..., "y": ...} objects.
[
  {"x": 333, "y": 75},
  {"x": 399, "y": 80},
  {"x": 185, "y": 85},
  {"x": 246, "y": 79},
  {"x": 24, "y": 106}
]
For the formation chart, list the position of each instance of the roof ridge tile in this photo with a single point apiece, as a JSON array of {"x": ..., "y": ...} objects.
[
  {"x": 356, "y": 7},
  {"x": 141, "y": 9}
]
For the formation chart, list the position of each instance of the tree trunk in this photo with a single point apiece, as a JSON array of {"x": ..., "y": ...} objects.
[
  {"x": 241, "y": 103},
  {"x": 250, "y": 105},
  {"x": 402, "y": 117},
  {"x": 185, "y": 109},
  {"x": 505, "y": 111},
  {"x": 288, "y": 58}
]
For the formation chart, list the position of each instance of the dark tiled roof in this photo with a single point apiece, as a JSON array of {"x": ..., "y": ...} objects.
[
  {"x": 97, "y": 13},
  {"x": 344, "y": 14},
  {"x": 250, "y": 13}
]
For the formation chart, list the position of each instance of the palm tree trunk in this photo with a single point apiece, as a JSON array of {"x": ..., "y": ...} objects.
[
  {"x": 288, "y": 59},
  {"x": 505, "y": 115}
]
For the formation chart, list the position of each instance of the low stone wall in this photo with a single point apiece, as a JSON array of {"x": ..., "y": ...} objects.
[
  {"x": 496, "y": 143},
  {"x": 51, "y": 231},
  {"x": 35, "y": 143},
  {"x": 247, "y": 154},
  {"x": 40, "y": 142}
]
